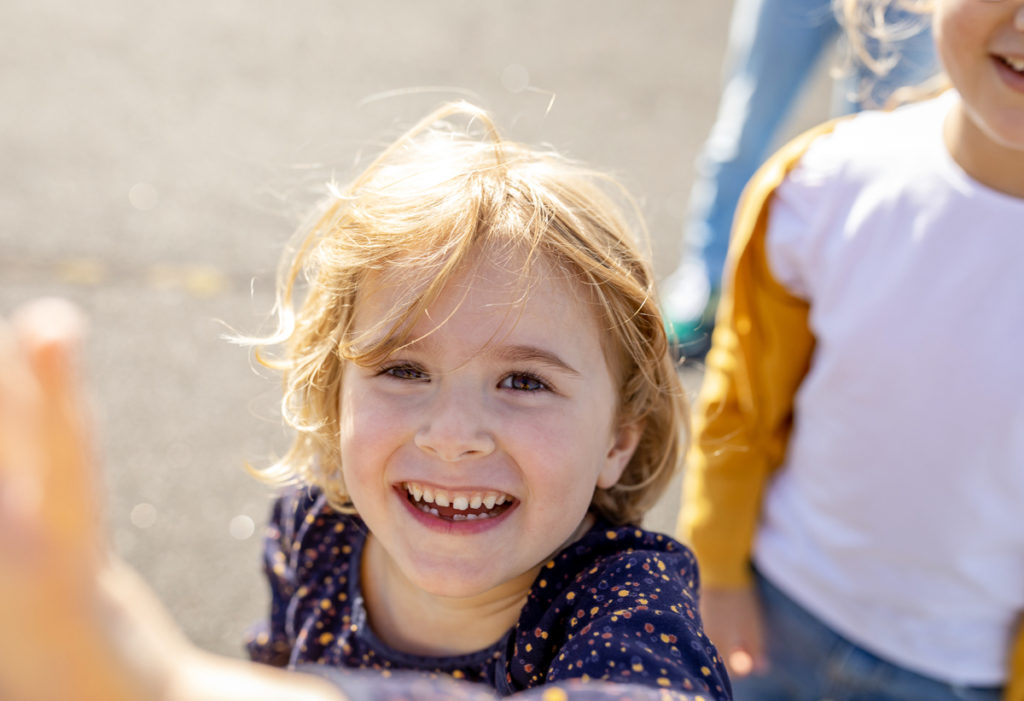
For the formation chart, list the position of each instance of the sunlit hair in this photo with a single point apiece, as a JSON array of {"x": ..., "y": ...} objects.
[
  {"x": 447, "y": 188},
  {"x": 873, "y": 40}
]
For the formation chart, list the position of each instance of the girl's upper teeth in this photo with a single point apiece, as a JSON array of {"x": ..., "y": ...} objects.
[
  {"x": 460, "y": 501},
  {"x": 1016, "y": 64}
]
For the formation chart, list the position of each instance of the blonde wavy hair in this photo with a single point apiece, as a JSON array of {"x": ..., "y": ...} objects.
[
  {"x": 873, "y": 39},
  {"x": 448, "y": 187}
]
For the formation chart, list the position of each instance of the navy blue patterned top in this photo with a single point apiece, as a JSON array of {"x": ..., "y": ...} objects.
[{"x": 618, "y": 605}]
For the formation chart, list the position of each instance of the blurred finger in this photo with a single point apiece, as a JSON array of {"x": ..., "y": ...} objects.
[
  {"x": 49, "y": 331},
  {"x": 740, "y": 663},
  {"x": 19, "y": 480}
]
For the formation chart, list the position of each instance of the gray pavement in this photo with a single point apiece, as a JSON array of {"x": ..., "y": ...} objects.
[{"x": 157, "y": 155}]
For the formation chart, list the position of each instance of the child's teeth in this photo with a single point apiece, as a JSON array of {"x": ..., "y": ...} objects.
[
  {"x": 459, "y": 502},
  {"x": 1016, "y": 64}
]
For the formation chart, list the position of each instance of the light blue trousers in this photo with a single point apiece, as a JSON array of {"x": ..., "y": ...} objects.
[{"x": 773, "y": 47}]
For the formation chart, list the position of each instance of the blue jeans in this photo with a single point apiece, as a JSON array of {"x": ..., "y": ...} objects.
[
  {"x": 773, "y": 47},
  {"x": 808, "y": 661}
]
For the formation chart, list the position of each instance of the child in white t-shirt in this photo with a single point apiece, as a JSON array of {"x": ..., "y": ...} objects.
[{"x": 860, "y": 433}]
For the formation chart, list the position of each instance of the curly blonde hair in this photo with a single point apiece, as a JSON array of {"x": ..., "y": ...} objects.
[
  {"x": 448, "y": 187},
  {"x": 873, "y": 39}
]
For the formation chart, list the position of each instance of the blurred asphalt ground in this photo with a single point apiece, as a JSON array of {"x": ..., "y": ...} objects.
[{"x": 156, "y": 156}]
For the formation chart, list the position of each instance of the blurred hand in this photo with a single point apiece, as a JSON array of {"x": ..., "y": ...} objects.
[
  {"x": 74, "y": 622},
  {"x": 732, "y": 619},
  {"x": 68, "y": 612}
]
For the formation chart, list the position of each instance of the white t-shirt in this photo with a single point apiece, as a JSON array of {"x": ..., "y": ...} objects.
[{"x": 898, "y": 515}]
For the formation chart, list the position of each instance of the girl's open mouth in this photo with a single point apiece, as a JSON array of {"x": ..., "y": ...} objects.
[
  {"x": 1014, "y": 64},
  {"x": 454, "y": 505}
]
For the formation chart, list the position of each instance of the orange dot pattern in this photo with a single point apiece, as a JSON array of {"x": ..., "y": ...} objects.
[{"x": 613, "y": 615}]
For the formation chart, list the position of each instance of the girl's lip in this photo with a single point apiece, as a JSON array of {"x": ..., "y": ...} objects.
[
  {"x": 468, "y": 527},
  {"x": 1011, "y": 78}
]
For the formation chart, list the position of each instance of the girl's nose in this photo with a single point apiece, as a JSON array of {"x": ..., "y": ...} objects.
[{"x": 454, "y": 431}]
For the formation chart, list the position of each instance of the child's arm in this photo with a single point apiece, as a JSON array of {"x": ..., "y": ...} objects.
[
  {"x": 761, "y": 351},
  {"x": 76, "y": 623}
]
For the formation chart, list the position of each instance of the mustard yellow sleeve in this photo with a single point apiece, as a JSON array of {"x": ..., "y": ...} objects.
[
  {"x": 760, "y": 352},
  {"x": 1015, "y": 689}
]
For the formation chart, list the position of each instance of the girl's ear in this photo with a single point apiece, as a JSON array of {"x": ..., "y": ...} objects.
[{"x": 624, "y": 444}]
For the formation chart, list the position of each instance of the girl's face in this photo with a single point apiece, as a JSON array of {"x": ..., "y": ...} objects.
[
  {"x": 981, "y": 45},
  {"x": 473, "y": 454}
]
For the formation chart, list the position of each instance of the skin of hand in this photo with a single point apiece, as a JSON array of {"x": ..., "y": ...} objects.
[
  {"x": 77, "y": 623},
  {"x": 732, "y": 620}
]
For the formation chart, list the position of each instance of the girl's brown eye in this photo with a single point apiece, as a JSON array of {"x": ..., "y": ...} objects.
[
  {"x": 404, "y": 372},
  {"x": 523, "y": 382}
]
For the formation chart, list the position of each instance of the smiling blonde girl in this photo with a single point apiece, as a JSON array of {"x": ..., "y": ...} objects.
[{"x": 484, "y": 408}]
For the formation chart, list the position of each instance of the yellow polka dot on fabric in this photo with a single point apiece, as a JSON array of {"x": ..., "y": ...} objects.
[
  {"x": 611, "y": 535},
  {"x": 705, "y": 671},
  {"x": 665, "y": 638},
  {"x": 624, "y": 592},
  {"x": 554, "y": 695},
  {"x": 637, "y": 667},
  {"x": 325, "y": 638},
  {"x": 662, "y": 681},
  {"x": 570, "y": 596}
]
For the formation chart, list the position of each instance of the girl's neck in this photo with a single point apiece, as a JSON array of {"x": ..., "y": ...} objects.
[
  {"x": 992, "y": 164},
  {"x": 412, "y": 620}
]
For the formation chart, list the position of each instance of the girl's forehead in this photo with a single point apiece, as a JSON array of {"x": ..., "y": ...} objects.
[
  {"x": 495, "y": 296},
  {"x": 508, "y": 278}
]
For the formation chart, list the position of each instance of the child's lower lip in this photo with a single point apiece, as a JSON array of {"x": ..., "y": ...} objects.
[
  {"x": 1013, "y": 79},
  {"x": 453, "y": 527}
]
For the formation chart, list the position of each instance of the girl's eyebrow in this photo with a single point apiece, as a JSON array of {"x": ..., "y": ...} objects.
[
  {"x": 526, "y": 353},
  {"x": 514, "y": 353}
]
